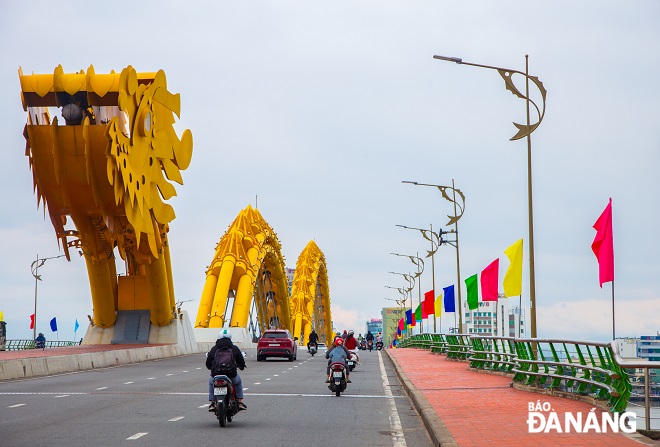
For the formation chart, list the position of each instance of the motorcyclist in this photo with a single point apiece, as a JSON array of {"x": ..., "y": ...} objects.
[
  {"x": 313, "y": 339},
  {"x": 224, "y": 341},
  {"x": 337, "y": 354},
  {"x": 379, "y": 338},
  {"x": 40, "y": 341},
  {"x": 369, "y": 336},
  {"x": 351, "y": 342},
  {"x": 360, "y": 338},
  {"x": 344, "y": 335}
]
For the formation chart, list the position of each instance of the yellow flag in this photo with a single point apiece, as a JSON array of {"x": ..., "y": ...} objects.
[
  {"x": 438, "y": 306},
  {"x": 2, "y": 316},
  {"x": 513, "y": 278}
]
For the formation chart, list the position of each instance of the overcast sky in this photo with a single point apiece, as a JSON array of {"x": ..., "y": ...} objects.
[{"x": 321, "y": 109}]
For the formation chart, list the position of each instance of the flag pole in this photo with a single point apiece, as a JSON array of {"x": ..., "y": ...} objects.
[{"x": 613, "y": 333}]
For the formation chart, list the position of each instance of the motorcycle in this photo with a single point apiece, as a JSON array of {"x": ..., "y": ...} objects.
[
  {"x": 363, "y": 345},
  {"x": 353, "y": 360},
  {"x": 337, "y": 378},
  {"x": 313, "y": 348},
  {"x": 370, "y": 345},
  {"x": 379, "y": 345},
  {"x": 224, "y": 396}
]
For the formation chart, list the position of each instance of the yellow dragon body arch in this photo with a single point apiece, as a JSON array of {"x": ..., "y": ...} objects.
[
  {"x": 310, "y": 295},
  {"x": 246, "y": 283},
  {"x": 246, "y": 274}
]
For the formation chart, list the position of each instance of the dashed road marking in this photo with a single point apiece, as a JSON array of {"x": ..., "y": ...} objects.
[
  {"x": 15, "y": 406},
  {"x": 178, "y": 418},
  {"x": 136, "y": 436},
  {"x": 102, "y": 388},
  {"x": 398, "y": 438},
  {"x": 128, "y": 383},
  {"x": 62, "y": 395}
]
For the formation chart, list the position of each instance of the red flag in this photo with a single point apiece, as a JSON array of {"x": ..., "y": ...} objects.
[
  {"x": 429, "y": 304},
  {"x": 32, "y": 321},
  {"x": 401, "y": 324},
  {"x": 489, "y": 279},
  {"x": 603, "y": 245}
]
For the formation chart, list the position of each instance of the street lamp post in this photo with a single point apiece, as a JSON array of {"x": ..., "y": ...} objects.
[
  {"x": 35, "y": 272},
  {"x": 436, "y": 241},
  {"x": 523, "y": 131},
  {"x": 452, "y": 220},
  {"x": 419, "y": 263}
]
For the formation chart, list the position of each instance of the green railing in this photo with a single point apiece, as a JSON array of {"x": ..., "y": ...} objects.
[
  {"x": 17, "y": 345},
  {"x": 493, "y": 353},
  {"x": 581, "y": 368}
]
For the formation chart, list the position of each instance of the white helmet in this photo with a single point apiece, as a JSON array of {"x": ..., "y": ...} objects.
[
  {"x": 351, "y": 332},
  {"x": 224, "y": 334}
]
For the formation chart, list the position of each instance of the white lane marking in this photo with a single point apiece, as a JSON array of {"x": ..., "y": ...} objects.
[
  {"x": 102, "y": 388},
  {"x": 276, "y": 375},
  {"x": 151, "y": 378},
  {"x": 371, "y": 396},
  {"x": 398, "y": 439},
  {"x": 178, "y": 418},
  {"x": 201, "y": 394},
  {"x": 15, "y": 406},
  {"x": 199, "y": 368},
  {"x": 62, "y": 395},
  {"x": 184, "y": 371},
  {"x": 136, "y": 436},
  {"x": 290, "y": 369},
  {"x": 169, "y": 375},
  {"x": 257, "y": 383},
  {"x": 268, "y": 378},
  {"x": 128, "y": 383},
  {"x": 203, "y": 406},
  {"x": 245, "y": 388}
]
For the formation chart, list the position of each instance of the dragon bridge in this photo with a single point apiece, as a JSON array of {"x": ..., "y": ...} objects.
[
  {"x": 106, "y": 167},
  {"x": 246, "y": 283}
]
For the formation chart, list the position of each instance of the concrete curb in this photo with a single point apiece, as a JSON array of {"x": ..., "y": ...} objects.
[
  {"x": 45, "y": 366},
  {"x": 436, "y": 429}
]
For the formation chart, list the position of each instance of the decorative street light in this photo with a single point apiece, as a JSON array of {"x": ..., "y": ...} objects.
[
  {"x": 524, "y": 130},
  {"x": 459, "y": 209},
  {"x": 436, "y": 241},
  {"x": 35, "y": 272},
  {"x": 419, "y": 263}
]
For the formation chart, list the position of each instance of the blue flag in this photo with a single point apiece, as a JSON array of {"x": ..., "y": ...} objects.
[
  {"x": 53, "y": 324},
  {"x": 450, "y": 306},
  {"x": 76, "y": 326},
  {"x": 409, "y": 316}
]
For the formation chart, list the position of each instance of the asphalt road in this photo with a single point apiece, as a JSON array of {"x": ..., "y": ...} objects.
[{"x": 164, "y": 403}]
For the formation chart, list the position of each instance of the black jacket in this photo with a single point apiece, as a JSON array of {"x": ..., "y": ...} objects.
[{"x": 221, "y": 343}]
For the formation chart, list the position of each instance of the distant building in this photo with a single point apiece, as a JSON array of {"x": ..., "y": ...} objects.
[
  {"x": 648, "y": 347},
  {"x": 290, "y": 273},
  {"x": 391, "y": 317},
  {"x": 501, "y": 319},
  {"x": 375, "y": 325}
]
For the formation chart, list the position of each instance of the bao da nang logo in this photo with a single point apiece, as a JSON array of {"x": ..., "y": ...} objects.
[{"x": 542, "y": 418}]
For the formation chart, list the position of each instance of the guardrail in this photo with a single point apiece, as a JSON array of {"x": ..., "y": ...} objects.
[
  {"x": 17, "y": 345},
  {"x": 581, "y": 368}
]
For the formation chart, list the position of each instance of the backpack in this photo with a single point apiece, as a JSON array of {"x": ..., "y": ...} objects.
[{"x": 223, "y": 362}]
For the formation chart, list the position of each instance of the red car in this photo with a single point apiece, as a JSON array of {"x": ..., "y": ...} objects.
[{"x": 277, "y": 343}]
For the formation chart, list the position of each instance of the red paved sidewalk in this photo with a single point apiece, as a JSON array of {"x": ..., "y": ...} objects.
[{"x": 481, "y": 409}]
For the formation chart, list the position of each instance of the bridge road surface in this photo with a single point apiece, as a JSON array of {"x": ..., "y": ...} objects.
[{"x": 164, "y": 403}]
